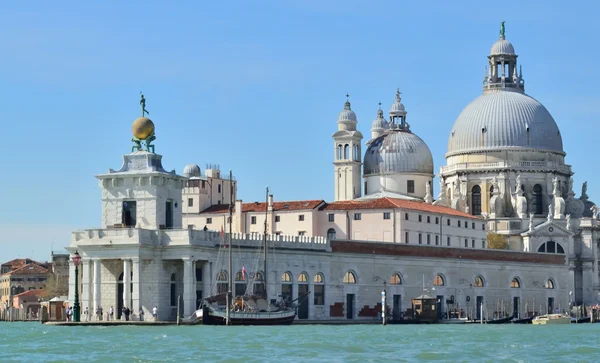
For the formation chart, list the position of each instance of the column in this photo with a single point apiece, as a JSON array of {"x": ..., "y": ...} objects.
[
  {"x": 71, "y": 296},
  {"x": 206, "y": 280},
  {"x": 137, "y": 286},
  {"x": 127, "y": 283},
  {"x": 189, "y": 286},
  {"x": 97, "y": 283},
  {"x": 85, "y": 291}
]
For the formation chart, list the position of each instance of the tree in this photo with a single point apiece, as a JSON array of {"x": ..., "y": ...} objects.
[
  {"x": 55, "y": 287},
  {"x": 497, "y": 241}
]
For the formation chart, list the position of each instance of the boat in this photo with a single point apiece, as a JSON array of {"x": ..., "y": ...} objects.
[
  {"x": 506, "y": 320},
  {"x": 523, "y": 320},
  {"x": 585, "y": 319},
  {"x": 454, "y": 321},
  {"x": 551, "y": 319},
  {"x": 249, "y": 309}
]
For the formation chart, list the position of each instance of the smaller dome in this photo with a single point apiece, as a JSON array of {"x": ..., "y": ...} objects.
[
  {"x": 379, "y": 123},
  {"x": 502, "y": 46},
  {"x": 397, "y": 106},
  {"x": 191, "y": 170},
  {"x": 347, "y": 114},
  {"x": 142, "y": 128}
]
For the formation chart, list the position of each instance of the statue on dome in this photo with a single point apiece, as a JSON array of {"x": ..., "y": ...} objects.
[
  {"x": 584, "y": 195},
  {"x": 143, "y": 104},
  {"x": 502, "y": 29},
  {"x": 149, "y": 146},
  {"x": 137, "y": 146}
]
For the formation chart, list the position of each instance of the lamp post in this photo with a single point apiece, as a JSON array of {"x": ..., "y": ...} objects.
[
  {"x": 383, "y": 305},
  {"x": 76, "y": 309}
]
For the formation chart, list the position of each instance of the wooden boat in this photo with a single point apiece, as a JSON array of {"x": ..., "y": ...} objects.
[
  {"x": 586, "y": 319},
  {"x": 551, "y": 319},
  {"x": 523, "y": 321},
  {"x": 501, "y": 320},
  {"x": 453, "y": 321}
]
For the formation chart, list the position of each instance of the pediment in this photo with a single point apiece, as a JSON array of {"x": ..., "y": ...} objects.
[{"x": 554, "y": 228}]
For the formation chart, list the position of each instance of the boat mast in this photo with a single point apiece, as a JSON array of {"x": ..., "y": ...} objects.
[
  {"x": 265, "y": 243},
  {"x": 230, "y": 282}
]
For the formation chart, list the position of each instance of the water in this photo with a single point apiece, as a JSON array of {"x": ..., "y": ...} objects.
[{"x": 33, "y": 342}]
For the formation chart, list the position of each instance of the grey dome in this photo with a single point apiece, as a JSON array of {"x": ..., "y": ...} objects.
[
  {"x": 191, "y": 170},
  {"x": 504, "y": 120},
  {"x": 379, "y": 123},
  {"x": 398, "y": 151},
  {"x": 347, "y": 114},
  {"x": 502, "y": 46}
]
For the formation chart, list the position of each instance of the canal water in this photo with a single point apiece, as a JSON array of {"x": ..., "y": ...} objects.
[{"x": 33, "y": 342}]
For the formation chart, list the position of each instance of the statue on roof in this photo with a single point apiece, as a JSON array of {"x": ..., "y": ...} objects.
[
  {"x": 502, "y": 29},
  {"x": 143, "y": 104},
  {"x": 584, "y": 195}
]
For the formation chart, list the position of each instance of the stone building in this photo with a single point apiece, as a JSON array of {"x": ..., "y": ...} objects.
[
  {"x": 21, "y": 275},
  {"x": 162, "y": 234}
]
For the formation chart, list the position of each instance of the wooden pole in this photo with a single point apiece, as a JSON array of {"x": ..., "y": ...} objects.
[{"x": 178, "y": 301}]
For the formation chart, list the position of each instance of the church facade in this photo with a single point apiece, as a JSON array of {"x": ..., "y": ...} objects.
[{"x": 164, "y": 236}]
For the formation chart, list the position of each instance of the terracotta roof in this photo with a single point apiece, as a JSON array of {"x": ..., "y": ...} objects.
[
  {"x": 390, "y": 203},
  {"x": 20, "y": 262},
  {"x": 36, "y": 292},
  {"x": 28, "y": 269},
  {"x": 261, "y": 207}
]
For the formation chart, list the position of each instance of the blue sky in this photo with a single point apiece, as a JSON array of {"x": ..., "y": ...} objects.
[{"x": 256, "y": 86}]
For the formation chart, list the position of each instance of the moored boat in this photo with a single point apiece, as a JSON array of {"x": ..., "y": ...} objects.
[{"x": 551, "y": 319}]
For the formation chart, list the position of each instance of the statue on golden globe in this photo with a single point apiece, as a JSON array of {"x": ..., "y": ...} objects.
[{"x": 143, "y": 130}]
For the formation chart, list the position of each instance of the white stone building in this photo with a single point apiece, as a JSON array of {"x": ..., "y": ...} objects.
[{"x": 162, "y": 233}]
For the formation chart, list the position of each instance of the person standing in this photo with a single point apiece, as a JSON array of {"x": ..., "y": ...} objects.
[
  {"x": 141, "y": 314},
  {"x": 155, "y": 313},
  {"x": 86, "y": 314},
  {"x": 127, "y": 311},
  {"x": 111, "y": 313}
]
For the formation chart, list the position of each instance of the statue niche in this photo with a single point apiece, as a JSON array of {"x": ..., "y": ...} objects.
[{"x": 519, "y": 201}]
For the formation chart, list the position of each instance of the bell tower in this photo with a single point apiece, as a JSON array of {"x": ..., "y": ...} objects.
[{"x": 347, "y": 156}]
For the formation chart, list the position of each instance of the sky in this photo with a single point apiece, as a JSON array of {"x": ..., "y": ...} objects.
[{"x": 256, "y": 87}]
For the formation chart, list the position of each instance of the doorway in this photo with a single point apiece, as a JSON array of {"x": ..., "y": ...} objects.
[
  {"x": 516, "y": 307},
  {"x": 439, "y": 306},
  {"x": 397, "y": 307},
  {"x": 303, "y": 307},
  {"x": 349, "y": 306},
  {"x": 198, "y": 299},
  {"x": 479, "y": 305},
  {"x": 550, "y": 306},
  {"x": 169, "y": 214},
  {"x": 128, "y": 218}
]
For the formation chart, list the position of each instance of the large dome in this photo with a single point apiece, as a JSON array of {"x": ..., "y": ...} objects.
[
  {"x": 398, "y": 151},
  {"x": 502, "y": 120}
]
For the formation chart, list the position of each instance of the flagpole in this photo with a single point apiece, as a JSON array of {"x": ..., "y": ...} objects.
[
  {"x": 265, "y": 242},
  {"x": 230, "y": 282}
]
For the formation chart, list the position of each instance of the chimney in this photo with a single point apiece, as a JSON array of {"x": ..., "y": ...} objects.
[
  {"x": 270, "y": 203},
  {"x": 239, "y": 228}
]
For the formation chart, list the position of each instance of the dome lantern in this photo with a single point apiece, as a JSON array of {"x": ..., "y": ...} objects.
[
  {"x": 503, "y": 66},
  {"x": 379, "y": 124},
  {"x": 347, "y": 118}
]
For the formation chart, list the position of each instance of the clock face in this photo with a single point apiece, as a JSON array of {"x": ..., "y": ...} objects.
[{"x": 551, "y": 229}]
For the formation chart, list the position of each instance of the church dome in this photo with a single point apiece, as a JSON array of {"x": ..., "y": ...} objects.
[
  {"x": 504, "y": 119},
  {"x": 191, "y": 170},
  {"x": 379, "y": 123},
  {"x": 397, "y": 106},
  {"x": 502, "y": 46},
  {"x": 398, "y": 151},
  {"x": 347, "y": 114}
]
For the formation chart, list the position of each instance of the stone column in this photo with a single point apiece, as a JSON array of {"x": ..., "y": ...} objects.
[
  {"x": 71, "y": 296},
  {"x": 137, "y": 285},
  {"x": 206, "y": 279},
  {"x": 86, "y": 280},
  {"x": 127, "y": 283},
  {"x": 189, "y": 286},
  {"x": 97, "y": 285}
]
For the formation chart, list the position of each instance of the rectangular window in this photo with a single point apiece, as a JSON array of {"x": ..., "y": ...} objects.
[
  {"x": 128, "y": 216},
  {"x": 198, "y": 274},
  {"x": 420, "y": 238},
  {"x": 473, "y": 225},
  {"x": 437, "y": 240},
  {"x": 473, "y": 243},
  {"x": 301, "y": 217},
  {"x": 386, "y": 215},
  {"x": 357, "y": 216},
  {"x": 219, "y": 188},
  {"x": 406, "y": 216},
  {"x": 448, "y": 221},
  {"x": 228, "y": 219},
  {"x": 277, "y": 219},
  {"x": 483, "y": 244},
  {"x": 458, "y": 223},
  {"x": 420, "y": 218},
  {"x": 428, "y": 219},
  {"x": 190, "y": 202},
  {"x": 437, "y": 220},
  {"x": 319, "y": 294},
  {"x": 331, "y": 217},
  {"x": 483, "y": 226},
  {"x": 410, "y": 186},
  {"x": 466, "y": 224},
  {"x": 253, "y": 220},
  {"x": 301, "y": 233},
  {"x": 428, "y": 239},
  {"x": 208, "y": 220},
  {"x": 466, "y": 242},
  {"x": 203, "y": 184},
  {"x": 405, "y": 237}
]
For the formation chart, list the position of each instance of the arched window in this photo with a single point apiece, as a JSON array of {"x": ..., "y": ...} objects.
[
  {"x": 173, "y": 290},
  {"x": 537, "y": 206},
  {"x": 515, "y": 283},
  {"x": 259, "y": 284},
  {"x": 551, "y": 247},
  {"x": 395, "y": 279},
  {"x": 222, "y": 281},
  {"x": 476, "y": 200},
  {"x": 240, "y": 284},
  {"x": 478, "y": 282},
  {"x": 331, "y": 233},
  {"x": 549, "y": 284},
  {"x": 319, "y": 289},
  {"x": 303, "y": 277},
  {"x": 339, "y": 152},
  {"x": 349, "y": 278},
  {"x": 346, "y": 152},
  {"x": 491, "y": 191},
  {"x": 356, "y": 157},
  {"x": 286, "y": 286},
  {"x": 438, "y": 280}
]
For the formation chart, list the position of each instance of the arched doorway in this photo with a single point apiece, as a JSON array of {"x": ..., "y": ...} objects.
[
  {"x": 476, "y": 200},
  {"x": 537, "y": 200},
  {"x": 302, "y": 292}
]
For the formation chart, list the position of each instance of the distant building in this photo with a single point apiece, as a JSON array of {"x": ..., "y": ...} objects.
[{"x": 25, "y": 275}]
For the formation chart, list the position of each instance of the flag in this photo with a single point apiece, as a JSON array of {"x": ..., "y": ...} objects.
[
  {"x": 222, "y": 234},
  {"x": 243, "y": 273}
]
